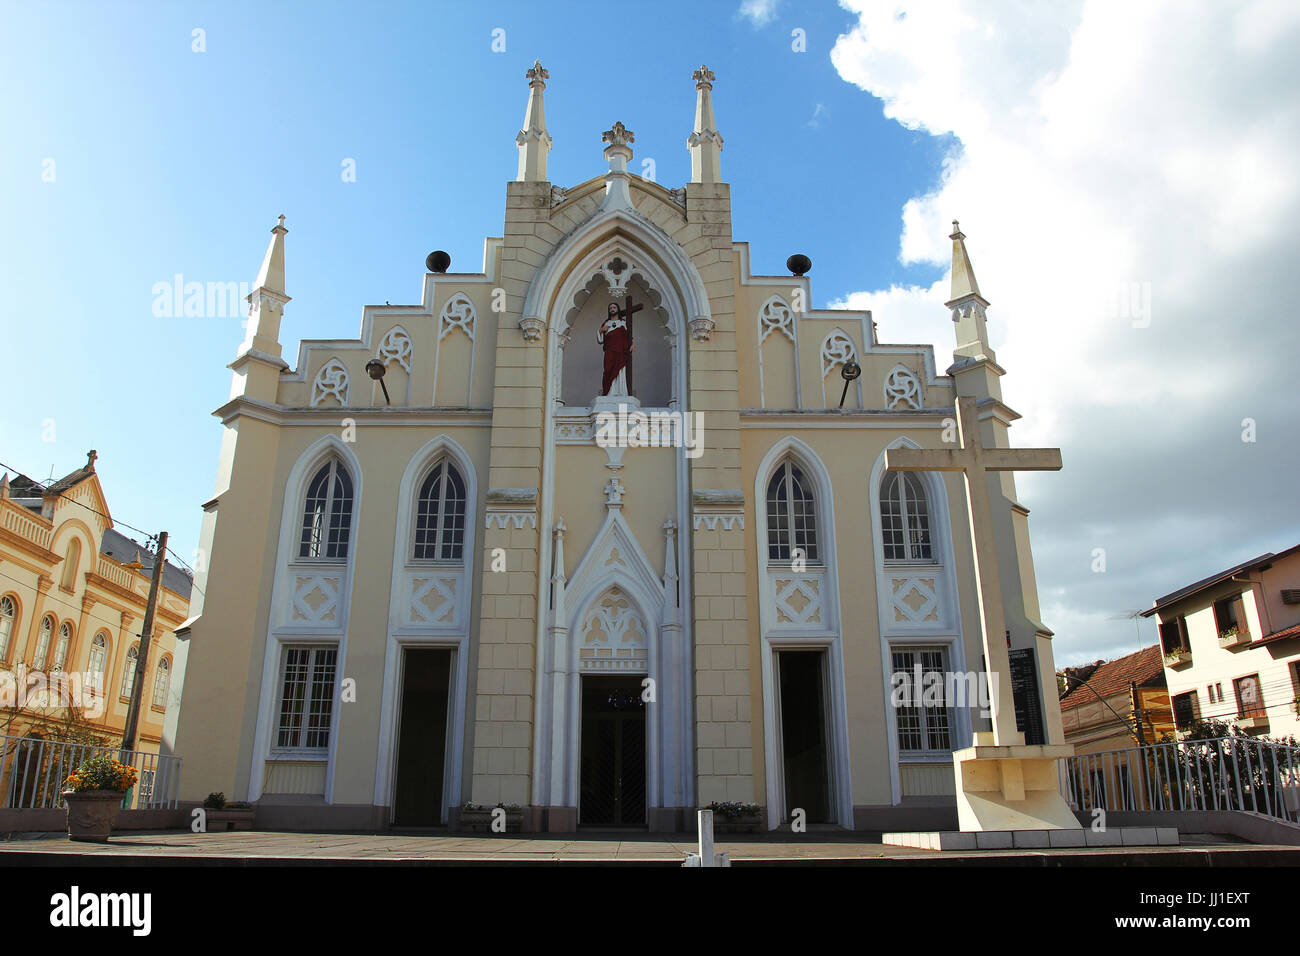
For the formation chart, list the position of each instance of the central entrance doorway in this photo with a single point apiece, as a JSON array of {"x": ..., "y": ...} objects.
[
  {"x": 801, "y": 677},
  {"x": 422, "y": 737},
  {"x": 613, "y": 774}
]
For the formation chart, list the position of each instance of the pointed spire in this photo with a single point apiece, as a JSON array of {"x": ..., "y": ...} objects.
[
  {"x": 705, "y": 143},
  {"x": 534, "y": 141},
  {"x": 963, "y": 274},
  {"x": 4, "y": 486},
  {"x": 267, "y": 300},
  {"x": 968, "y": 307},
  {"x": 271, "y": 275}
]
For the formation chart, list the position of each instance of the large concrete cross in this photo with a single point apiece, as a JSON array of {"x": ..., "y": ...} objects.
[{"x": 974, "y": 461}]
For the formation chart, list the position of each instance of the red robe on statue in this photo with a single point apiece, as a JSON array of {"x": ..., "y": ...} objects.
[{"x": 616, "y": 343}]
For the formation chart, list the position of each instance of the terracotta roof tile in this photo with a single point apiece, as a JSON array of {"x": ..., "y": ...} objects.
[{"x": 1113, "y": 677}]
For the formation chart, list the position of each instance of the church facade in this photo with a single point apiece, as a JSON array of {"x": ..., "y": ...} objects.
[{"x": 500, "y": 549}]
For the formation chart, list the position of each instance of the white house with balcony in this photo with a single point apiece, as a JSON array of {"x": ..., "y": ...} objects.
[{"x": 1231, "y": 645}]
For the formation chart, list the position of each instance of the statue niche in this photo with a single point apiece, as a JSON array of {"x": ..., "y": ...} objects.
[{"x": 611, "y": 352}]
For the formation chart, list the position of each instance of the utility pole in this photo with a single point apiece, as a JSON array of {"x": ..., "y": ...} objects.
[
  {"x": 142, "y": 659},
  {"x": 1137, "y": 711}
]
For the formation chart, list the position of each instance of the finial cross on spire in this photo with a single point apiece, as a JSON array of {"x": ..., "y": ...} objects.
[
  {"x": 537, "y": 74},
  {"x": 90, "y": 459},
  {"x": 703, "y": 78},
  {"x": 956, "y": 231}
]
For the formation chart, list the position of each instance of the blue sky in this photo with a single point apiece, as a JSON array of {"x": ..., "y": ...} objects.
[{"x": 172, "y": 161}]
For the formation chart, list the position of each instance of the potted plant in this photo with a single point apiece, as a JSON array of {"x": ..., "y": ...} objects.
[
  {"x": 736, "y": 817},
  {"x": 479, "y": 819},
  {"x": 93, "y": 795},
  {"x": 224, "y": 815},
  {"x": 1232, "y": 634}
]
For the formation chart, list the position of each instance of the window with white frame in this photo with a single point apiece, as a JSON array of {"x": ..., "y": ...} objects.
[
  {"x": 128, "y": 672},
  {"x": 98, "y": 661},
  {"x": 43, "y": 644},
  {"x": 8, "y": 613},
  {"x": 327, "y": 514},
  {"x": 905, "y": 517},
  {"x": 440, "y": 515},
  {"x": 306, "y": 697},
  {"x": 918, "y": 694},
  {"x": 791, "y": 515},
  {"x": 161, "y": 679},
  {"x": 61, "y": 648}
]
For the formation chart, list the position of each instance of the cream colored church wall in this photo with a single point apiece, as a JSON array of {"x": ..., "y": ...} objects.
[
  {"x": 442, "y": 359},
  {"x": 227, "y": 643}
]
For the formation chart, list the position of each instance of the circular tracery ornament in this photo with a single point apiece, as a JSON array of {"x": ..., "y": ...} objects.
[{"x": 902, "y": 389}]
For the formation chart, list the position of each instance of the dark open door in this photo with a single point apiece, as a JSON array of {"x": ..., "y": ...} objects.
[
  {"x": 801, "y": 676},
  {"x": 422, "y": 739},
  {"x": 613, "y": 774}
]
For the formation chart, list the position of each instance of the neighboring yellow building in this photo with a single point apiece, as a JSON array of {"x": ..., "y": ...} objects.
[
  {"x": 69, "y": 605},
  {"x": 440, "y": 570}
]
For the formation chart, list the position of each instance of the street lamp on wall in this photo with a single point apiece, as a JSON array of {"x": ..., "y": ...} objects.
[
  {"x": 848, "y": 371},
  {"x": 376, "y": 369}
]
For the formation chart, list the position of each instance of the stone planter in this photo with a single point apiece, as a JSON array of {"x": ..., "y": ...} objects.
[
  {"x": 745, "y": 823},
  {"x": 91, "y": 814},
  {"x": 224, "y": 820},
  {"x": 480, "y": 821}
]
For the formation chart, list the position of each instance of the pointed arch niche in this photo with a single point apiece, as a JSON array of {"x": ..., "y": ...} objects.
[{"x": 612, "y": 273}]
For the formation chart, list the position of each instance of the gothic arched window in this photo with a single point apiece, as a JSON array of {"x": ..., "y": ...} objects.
[
  {"x": 327, "y": 514},
  {"x": 440, "y": 515},
  {"x": 791, "y": 514},
  {"x": 905, "y": 517},
  {"x": 8, "y": 613}
]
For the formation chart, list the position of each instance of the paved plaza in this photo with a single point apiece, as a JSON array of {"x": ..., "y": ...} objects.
[{"x": 437, "y": 847}]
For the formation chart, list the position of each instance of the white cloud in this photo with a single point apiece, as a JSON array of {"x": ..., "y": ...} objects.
[
  {"x": 1109, "y": 151},
  {"x": 759, "y": 12}
]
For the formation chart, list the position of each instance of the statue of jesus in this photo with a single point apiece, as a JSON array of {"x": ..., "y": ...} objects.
[{"x": 616, "y": 339}]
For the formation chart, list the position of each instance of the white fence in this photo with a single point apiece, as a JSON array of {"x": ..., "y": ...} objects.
[
  {"x": 1224, "y": 773},
  {"x": 32, "y": 772}
]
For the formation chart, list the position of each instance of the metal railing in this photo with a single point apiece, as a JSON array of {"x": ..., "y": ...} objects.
[
  {"x": 32, "y": 772},
  {"x": 1224, "y": 773}
]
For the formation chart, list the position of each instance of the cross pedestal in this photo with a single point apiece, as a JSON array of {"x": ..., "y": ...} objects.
[
  {"x": 1011, "y": 787},
  {"x": 1002, "y": 784}
]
